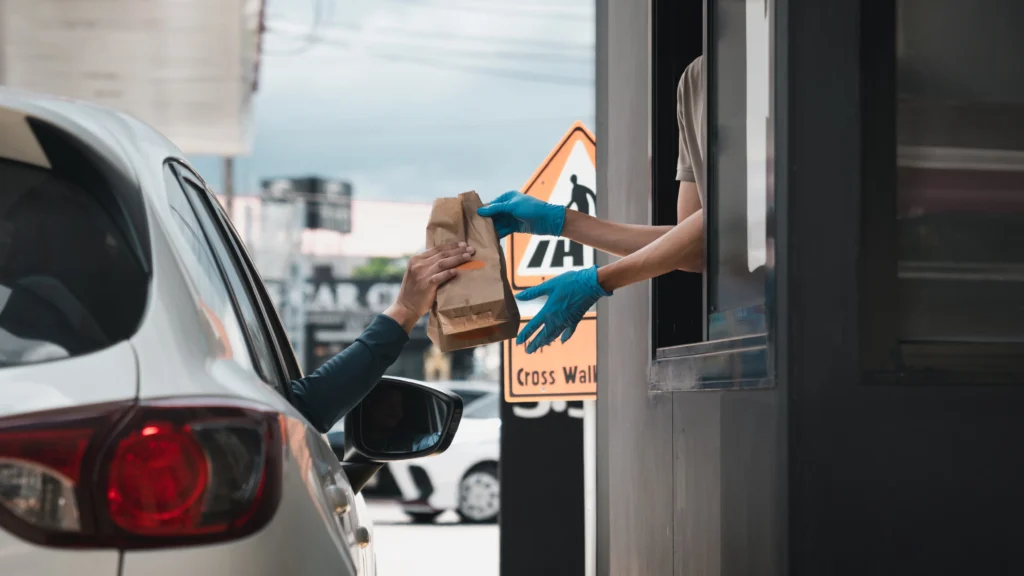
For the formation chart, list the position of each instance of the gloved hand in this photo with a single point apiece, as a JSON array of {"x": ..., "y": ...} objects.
[
  {"x": 570, "y": 295},
  {"x": 515, "y": 212}
]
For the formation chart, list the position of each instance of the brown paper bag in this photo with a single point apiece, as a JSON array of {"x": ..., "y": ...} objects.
[{"x": 477, "y": 306}]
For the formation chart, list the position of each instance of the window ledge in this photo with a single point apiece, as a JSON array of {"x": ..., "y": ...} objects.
[{"x": 731, "y": 364}]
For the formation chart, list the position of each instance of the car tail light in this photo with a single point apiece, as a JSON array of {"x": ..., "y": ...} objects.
[{"x": 140, "y": 475}]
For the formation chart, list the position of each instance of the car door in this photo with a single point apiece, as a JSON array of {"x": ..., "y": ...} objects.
[{"x": 263, "y": 318}]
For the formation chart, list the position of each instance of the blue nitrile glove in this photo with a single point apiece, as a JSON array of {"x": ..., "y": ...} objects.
[
  {"x": 570, "y": 295},
  {"x": 515, "y": 212}
]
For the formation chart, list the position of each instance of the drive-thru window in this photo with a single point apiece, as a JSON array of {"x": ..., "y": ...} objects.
[{"x": 839, "y": 392}]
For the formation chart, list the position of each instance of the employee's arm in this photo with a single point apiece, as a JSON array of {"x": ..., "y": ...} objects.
[
  {"x": 625, "y": 239},
  {"x": 571, "y": 294},
  {"x": 515, "y": 212},
  {"x": 681, "y": 248},
  {"x": 334, "y": 389}
]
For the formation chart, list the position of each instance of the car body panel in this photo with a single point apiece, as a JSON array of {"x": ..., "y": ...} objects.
[
  {"x": 59, "y": 384},
  {"x": 21, "y": 558},
  {"x": 173, "y": 354}
]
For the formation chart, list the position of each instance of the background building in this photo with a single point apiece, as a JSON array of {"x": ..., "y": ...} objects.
[{"x": 328, "y": 284}]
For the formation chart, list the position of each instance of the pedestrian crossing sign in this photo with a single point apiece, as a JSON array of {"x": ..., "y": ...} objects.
[
  {"x": 567, "y": 177},
  {"x": 561, "y": 371}
]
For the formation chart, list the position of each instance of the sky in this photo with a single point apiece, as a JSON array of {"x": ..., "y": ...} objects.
[{"x": 411, "y": 100}]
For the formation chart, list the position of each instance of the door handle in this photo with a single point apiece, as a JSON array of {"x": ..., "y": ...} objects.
[
  {"x": 338, "y": 499},
  {"x": 363, "y": 536}
]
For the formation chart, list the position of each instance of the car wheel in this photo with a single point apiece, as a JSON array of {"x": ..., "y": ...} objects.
[
  {"x": 422, "y": 517},
  {"x": 480, "y": 495}
]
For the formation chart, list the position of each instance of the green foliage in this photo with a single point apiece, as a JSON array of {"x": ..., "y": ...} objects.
[{"x": 380, "y": 267}]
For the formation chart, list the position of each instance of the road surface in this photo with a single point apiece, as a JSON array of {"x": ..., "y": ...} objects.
[{"x": 443, "y": 549}]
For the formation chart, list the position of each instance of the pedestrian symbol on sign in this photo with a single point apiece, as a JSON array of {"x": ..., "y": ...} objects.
[
  {"x": 548, "y": 256},
  {"x": 579, "y": 196}
]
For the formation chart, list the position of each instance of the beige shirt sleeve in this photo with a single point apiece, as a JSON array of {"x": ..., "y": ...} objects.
[
  {"x": 690, "y": 119},
  {"x": 684, "y": 169}
]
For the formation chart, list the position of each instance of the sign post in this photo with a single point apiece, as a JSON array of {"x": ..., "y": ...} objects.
[{"x": 548, "y": 441}]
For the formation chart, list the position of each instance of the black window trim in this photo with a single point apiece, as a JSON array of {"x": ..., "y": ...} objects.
[
  {"x": 92, "y": 166},
  {"x": 699, "y": 366},
  {"x": 885, "y": 359},
  {"x": 183, "y": 174},
  {"x": 286, "y": 355},
  {"x": 676, "y": 298}
]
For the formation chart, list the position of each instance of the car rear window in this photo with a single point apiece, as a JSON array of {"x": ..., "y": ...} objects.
[{"x": 69, "y": 282}]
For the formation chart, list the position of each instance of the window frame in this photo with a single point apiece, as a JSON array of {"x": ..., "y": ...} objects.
[
  {"x": 196, "y": 192},
  {"x": 677, "y": 298},
  {"x": 885, "y": 358},
  {"x": 289, "y": 361},
  {"x": 744, "y": 361}
]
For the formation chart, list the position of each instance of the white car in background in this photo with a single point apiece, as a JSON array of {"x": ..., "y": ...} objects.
[
  {"x": 465, "y": 478},
  {"x": 145, "y": 422}
]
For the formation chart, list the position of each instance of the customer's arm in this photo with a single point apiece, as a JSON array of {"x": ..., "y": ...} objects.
[{"x": 334, "y": 389}]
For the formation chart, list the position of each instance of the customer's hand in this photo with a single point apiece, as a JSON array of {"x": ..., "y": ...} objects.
[
  {"x": 570, "y": 295},
  {"x": 515, "y": 212},
  {"x": 425, "y": 272}
]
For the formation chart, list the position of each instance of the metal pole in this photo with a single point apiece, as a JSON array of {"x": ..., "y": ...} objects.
[
  {"x": 229, "y": 185},
  {"x": 590, "y": 487},
  {"x": 297, "y": 282}
]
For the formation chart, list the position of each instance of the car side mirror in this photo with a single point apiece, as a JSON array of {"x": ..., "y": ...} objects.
[{"x": 402, "y": 419}]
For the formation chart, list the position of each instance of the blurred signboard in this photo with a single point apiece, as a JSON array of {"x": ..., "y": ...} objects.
[
  {"x": 328, "y": 201},
  {"x": 187, "y": 67},
  {"x": 337, "y": 310},
  {"x": 560, "y": 371}
]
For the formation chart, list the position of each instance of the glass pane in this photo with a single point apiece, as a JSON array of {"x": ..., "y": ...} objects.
[
  {"x": 266, "y": 359},
  {"x": 961, "y": 169},
  {"x": 69, "y": 283},
  {"x": 741, "y": 135},
  {"x": 202, "y": 268}
]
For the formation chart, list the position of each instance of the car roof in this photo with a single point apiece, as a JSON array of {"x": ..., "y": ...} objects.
[
  {"x": 39, "y": 129},
  {"x": 126, "y": 142},
  {"x": 482, "y": 385}
]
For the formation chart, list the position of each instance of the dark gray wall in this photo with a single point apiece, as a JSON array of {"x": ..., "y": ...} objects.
[
  {"x": 689, "y": 483},
  {"x": 635, "y": 482}
]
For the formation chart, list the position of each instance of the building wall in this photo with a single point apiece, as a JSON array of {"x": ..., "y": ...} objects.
[
  {"x": 635, "y": 453},
  {"x": 689, "y": 482}
]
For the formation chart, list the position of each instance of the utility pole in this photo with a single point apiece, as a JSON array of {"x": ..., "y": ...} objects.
[{"x": 229, "y": 185}]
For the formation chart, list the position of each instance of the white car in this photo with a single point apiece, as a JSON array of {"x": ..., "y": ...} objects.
[
  {"x": 145, "y": 427},
  {"x": 465, "y": 478}
]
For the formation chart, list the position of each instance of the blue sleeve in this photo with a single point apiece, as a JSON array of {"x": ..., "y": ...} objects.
[{"x": 334, "y": 389}]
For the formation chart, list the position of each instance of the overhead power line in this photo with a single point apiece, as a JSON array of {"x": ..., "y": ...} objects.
[
  {"x": 532, "y": 11},
  {"x": 310, "y": 36},
  {"x": 489, "y": 40},
  {"x": 498, "y": 72},
  {"x": 477, "y": 45},
  {"x": 452, "y": 64}
]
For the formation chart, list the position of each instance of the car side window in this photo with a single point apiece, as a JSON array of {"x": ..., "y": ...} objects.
[
  {"x": 275, "y": 328},
  {"x": 263, "y": 349},
  {"x": 199, "y": 261}
]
